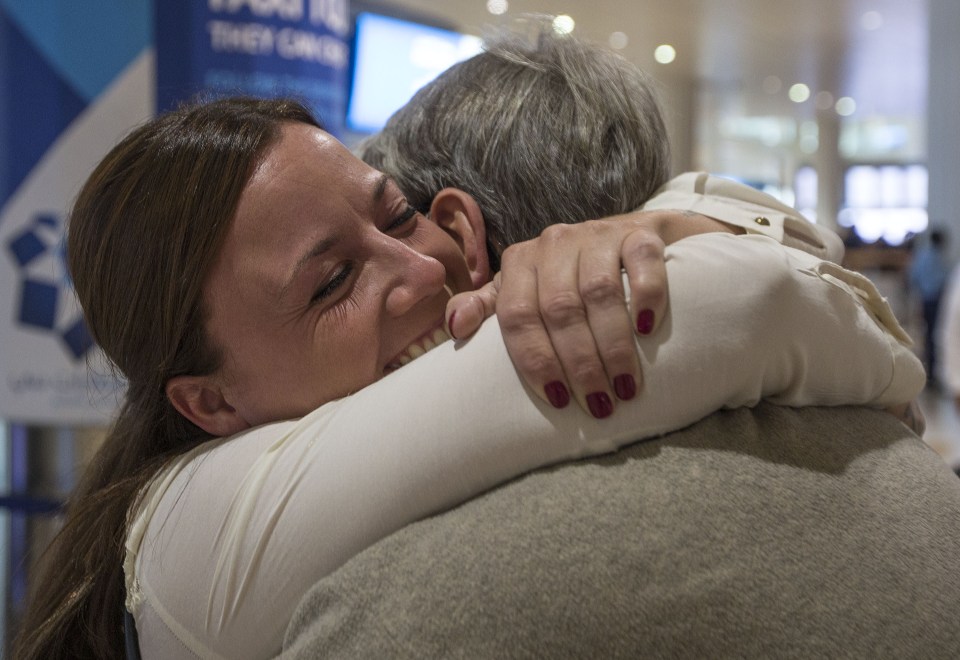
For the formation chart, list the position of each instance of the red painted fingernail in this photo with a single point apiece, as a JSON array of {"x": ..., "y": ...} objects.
[
  {"x": 453, "y": 315},
  {"x": 645, "y": 321},
  {"x": 599, "y": 404},
  {"x": 557, "y": 394},
  {"x": 625, "y": 387}
]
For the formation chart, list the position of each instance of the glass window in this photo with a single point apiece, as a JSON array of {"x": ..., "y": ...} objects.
[{"x": 885, "y": 202}]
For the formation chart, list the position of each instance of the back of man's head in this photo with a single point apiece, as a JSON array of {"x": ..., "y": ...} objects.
[{"x": 539, "y": 133}]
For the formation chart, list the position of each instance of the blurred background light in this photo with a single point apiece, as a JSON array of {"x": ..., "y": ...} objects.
[
  {"x": 665, "y": 53},
  {"x": 823, "y": 100},
  {"x": 871, "y": 20},
  {"x": 618, "y": 41},
  {"x": 846, "y": 106},
  {"x": 799, "y": 93},
  {"x": 772, "y": 84},
  {"x": 563, "y": 24}
]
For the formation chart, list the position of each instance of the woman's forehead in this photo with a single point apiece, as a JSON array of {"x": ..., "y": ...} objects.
[
  {"x": 306, "y": 183},
  {"x": 308, "y": 165},
  {"x": 307, "y": 149}
]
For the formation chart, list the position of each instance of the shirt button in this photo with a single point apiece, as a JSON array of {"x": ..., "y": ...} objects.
[{"x": 762, "y": 221}]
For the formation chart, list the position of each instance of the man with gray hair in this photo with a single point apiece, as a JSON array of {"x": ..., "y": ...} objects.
[
  {"x": 558, "y": 131},
  {"x": 513, "y": 151},
  {"x": 763, "y": 532}
]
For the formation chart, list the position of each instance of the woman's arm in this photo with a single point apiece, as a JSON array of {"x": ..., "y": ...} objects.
[
  {"x": 753, "y": 211},
  {"x": 563, "y": 320},
  {"x": 250, "y": 522}
]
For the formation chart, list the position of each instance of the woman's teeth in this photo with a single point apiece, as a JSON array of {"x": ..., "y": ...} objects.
[{"x": 419, "y": 347}]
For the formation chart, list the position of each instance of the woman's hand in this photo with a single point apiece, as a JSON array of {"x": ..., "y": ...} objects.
[{"x": 562, "y": 308}]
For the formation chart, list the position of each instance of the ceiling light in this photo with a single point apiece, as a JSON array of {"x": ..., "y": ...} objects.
[
  {"x": 665, "y": 53},
  {"x": 497, "y": 7},
  {"x": 772, "y": 84},
  {"x": 845, "y": 106},
  {"x": 799, "y": 93},
  {"x": 618, "y": 41},
  {"x": 823, "y": 100},
  {"x": 563, "y": 24}
]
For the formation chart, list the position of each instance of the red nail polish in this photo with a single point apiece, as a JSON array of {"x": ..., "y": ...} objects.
[
  {"x": 557, "y": 394},
  {"x": 453, "y": 315},
  {"x": 600, "y": 405},
  {"x": 645, "y": 321},
  {"x": 625, "y": 387}
]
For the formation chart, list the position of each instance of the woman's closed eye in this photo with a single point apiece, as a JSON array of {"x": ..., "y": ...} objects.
[
  {"x": 343, "y": 273},
  {"x": 330, "y": 286},
  {"x": 408, "y": 213}
]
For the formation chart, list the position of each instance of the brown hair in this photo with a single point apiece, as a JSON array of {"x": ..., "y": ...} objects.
[{"x": 142, "y": 234}]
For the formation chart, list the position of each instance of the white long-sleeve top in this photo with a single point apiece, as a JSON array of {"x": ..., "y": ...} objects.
[{"x": 229, "y": 537}]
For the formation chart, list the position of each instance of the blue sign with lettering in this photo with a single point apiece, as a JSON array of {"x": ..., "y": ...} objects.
[{"x": 296, "y": 48}]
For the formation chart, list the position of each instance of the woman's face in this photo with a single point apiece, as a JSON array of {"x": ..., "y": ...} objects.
[{"x": 326, "y": 280}]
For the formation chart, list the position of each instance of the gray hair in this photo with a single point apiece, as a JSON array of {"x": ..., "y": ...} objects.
[{"x": 538, "y": 133}]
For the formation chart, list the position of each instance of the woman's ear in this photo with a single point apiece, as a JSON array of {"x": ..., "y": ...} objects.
[
  {"x": 457, "y": 213},
  {"x": 200, "y": 399}
]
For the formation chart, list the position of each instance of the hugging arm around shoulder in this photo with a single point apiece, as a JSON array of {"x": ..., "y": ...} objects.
[
  {"x": 231, "y": 536},
  {"x": 751, "y": 210}
]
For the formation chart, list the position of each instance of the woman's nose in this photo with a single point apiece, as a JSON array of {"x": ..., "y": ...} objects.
[{"x": 415, "y": 277}]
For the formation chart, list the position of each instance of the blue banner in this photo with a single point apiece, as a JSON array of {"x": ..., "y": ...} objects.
[
  {"x": 74, "y": 77},
  {"x": 297, "y": 48}
]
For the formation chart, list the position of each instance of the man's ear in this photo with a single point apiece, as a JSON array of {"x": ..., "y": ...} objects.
[
  {"x": 457, "y": 213},
  {"x": 200, "y": 399}
]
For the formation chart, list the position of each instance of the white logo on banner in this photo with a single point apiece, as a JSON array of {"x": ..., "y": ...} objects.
[{"x": 44, "y": 346}]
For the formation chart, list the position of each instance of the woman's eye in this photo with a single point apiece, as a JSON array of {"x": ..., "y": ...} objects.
[
  {"x": 402, "y": 219},
  {"x": 331, "y": 286}
]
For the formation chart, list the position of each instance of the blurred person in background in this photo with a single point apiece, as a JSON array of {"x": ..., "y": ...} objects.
[
  {"x": 948, "y": 337},
  {"x": 928, "y": 275}
]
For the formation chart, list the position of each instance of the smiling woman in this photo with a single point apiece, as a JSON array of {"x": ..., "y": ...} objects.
[{"x": 310, "y": 273}]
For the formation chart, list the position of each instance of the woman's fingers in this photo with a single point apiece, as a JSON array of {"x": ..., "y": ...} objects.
[
  {"x": 563, "y": 311},
  {"x": 642, "y": 257},
  {"x": 579, "y": 293},
  {"x": 468, "y": 310},
  {"x": 565, "y": 319},
  {"x": 609, "y": 319},
  {"x": 524, "y": 333}
]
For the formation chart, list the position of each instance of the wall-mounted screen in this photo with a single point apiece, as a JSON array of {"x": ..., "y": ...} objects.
[{"x": 392, "y": 59}]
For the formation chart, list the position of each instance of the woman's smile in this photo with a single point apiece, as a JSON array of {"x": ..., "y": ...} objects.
[{"x": 426, "y": 342}]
